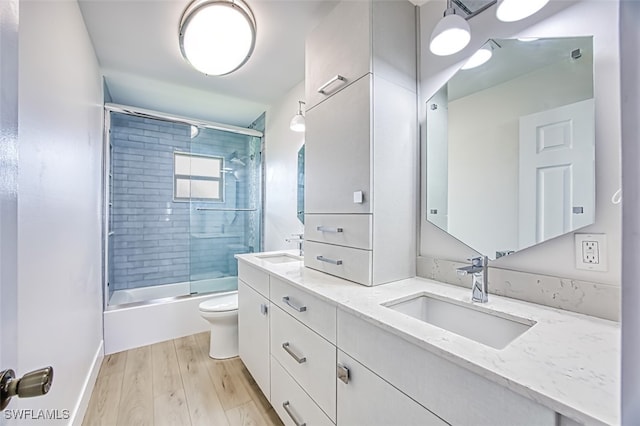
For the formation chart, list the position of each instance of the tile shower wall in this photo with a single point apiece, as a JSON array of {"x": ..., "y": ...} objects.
[
  {"x": 158, "y": 241},
  {"x": 150, "y": 233}
]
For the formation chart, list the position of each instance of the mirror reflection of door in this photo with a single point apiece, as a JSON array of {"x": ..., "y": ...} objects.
[{"x": 557, "y": 186}]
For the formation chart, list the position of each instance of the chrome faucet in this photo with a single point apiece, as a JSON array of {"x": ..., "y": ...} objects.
[
  {"x": 479, "y": 273},
  {"x": 299, "y": 239}
]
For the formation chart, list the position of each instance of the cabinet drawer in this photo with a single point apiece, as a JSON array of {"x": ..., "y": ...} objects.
[
  {"x": 339, "y": 46},
  {"x": 438, "y": 384},
  {"x": 351, "y": 230},
  {"x": 285, "y": 392},
  {"x": 253, "y": 334},
  {"x": 316, "y": 314},
  {"x": 338, "y": 151},
  {"x": 254, "y": 278},
  {"x": 344, "y": 262},
  {"x": 307, "y": 357},
  {"x": 367, "y": 400}
]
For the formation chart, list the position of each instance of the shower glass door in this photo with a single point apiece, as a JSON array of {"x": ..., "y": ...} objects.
[{"x": 222, "y": 181}]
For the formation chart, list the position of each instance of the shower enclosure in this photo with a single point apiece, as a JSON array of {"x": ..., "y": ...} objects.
[{"x": 183, "y": 200}]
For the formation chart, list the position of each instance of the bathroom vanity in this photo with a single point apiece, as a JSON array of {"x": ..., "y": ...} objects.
[{"x": 327, "y": 351}]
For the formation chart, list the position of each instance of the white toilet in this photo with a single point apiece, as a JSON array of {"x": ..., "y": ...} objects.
[{"x": 222, "y": 313}]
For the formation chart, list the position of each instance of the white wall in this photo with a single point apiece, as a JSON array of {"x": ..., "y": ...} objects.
[
  {"x": 559, "y": 18},
  {"x": 489, "y": 121},
  {"x": 630, "y": 45},
  {"x": 59, "y": 214},
  {"x": 281, "y": 160},
  {"x": 8, "y": 181}
]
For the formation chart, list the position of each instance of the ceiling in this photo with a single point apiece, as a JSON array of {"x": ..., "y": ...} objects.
[{"x": 136, "y": 43}]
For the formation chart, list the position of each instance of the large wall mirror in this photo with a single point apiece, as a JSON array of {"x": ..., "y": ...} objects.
[
  {"x": 511, "y": 145},
  {"x": 300, "y": 186}
]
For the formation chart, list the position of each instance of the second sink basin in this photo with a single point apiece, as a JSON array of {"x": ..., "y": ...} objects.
[
  {"x": 280, "y": 258},
  {"x": 466, "y": 321}
]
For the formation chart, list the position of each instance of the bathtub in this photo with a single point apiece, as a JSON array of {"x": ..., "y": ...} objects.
[
  {"x": 147, "y": 315},
  {"x": 153, "y": 293}
]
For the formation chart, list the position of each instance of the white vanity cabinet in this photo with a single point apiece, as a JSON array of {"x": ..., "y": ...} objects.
[
  {"x": 454, "y": 394},
  {"x": 361, "y": 142},
  {"x": 253, "y": 334},
  {"x": 287, "y": 342},
  {"x": 364, "y": 399}
]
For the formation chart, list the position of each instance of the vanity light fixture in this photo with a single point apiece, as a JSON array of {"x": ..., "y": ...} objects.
[
  {"x": 297, "y": 122},
  {"x": 515, "y": 10},
  {"x": 451, "y": 34},
  {"x": 217, "y": 36}
]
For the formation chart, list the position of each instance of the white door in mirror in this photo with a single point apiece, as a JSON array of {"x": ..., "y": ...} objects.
[{"x": 557, "y": 180}]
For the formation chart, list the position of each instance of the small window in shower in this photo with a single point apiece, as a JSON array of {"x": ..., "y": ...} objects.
[{"x": 197, "y": 177}]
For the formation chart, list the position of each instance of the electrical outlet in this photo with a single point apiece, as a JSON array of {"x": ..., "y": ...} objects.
[{"x": 591, "y": 252}]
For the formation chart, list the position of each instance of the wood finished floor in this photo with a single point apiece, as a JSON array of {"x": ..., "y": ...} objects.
[{"x": 176, "y": 383}]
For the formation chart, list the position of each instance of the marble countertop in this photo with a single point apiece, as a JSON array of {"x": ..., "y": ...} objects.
[{"x": 568, "y": 362}]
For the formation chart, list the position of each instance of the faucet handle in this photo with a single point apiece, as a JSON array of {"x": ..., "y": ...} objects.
[{"x": 478, "y": 260}]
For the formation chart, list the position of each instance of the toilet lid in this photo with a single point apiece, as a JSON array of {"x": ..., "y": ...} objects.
[{"x": 227, "y": 302}]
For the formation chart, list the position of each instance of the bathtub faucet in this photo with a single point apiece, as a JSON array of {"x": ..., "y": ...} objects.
[{"x": 298, "y": 239}]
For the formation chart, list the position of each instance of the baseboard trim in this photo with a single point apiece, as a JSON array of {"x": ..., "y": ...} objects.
[{"x": 87, "y": 388}]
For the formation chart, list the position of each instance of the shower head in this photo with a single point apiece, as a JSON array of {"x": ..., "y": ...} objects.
[{"x": 234, "y": 158}]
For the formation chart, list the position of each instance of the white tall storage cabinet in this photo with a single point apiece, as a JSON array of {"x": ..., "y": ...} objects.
[{"x": 361, "y": 142}]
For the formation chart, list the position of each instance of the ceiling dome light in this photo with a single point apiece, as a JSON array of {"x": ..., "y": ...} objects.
[
  {"x": 217, "y": 36},
  {"x": 478, "y": 58},
  {"x": 515, "y": 10},
  {"x": 451, "y": 34}
]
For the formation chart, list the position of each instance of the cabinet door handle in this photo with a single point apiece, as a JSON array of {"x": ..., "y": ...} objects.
[
  {"x": 327, "y": 260},
  {"x": 286, "y": 406},
  {"x": 264, "y": 309},
  {"x": 285, "y": 299},
  {"x": 343, "y": 373},
  {"x": 322, "y": 88},
  {"x": 287, "y": 348},
  {"x": 329, "y": 229}
]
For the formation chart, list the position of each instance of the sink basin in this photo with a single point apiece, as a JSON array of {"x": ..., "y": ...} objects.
[
  {"x": 280, "y": 258},
  {"x": 491, "y": 329}
]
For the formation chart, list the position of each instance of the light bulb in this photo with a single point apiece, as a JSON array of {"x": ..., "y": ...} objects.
[{"x": 515, "y": 10}]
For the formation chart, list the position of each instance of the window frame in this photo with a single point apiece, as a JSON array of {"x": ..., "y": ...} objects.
[{"x": 191, "y": 177}]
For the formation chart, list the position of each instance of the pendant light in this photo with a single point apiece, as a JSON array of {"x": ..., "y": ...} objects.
[
  {"x": 451, "y": 34},
  {"x": 217, "y": 36},
  {"x": 297, "y": 122},
  {"x": 515, "y": 10}
]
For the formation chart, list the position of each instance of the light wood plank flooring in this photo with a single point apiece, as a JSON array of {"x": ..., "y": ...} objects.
[{"x": 176, "y": 383}]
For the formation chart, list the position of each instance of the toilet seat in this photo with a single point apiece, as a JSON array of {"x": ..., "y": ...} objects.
[{"x": 224, "y": 303}]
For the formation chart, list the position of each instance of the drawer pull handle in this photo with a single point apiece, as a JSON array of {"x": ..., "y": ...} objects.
[
  {"x": 264, "y": 310},
  {"x": 329, "y": 229},
  {"x": 322, "y": 88},
  {"x": 287, "y": 348},
  {"x": 343, "y": 373},
  {"x": 286, "y": 405},
  {"x": 285, "y": 299},
  {"x": 331, "y": 261}
]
